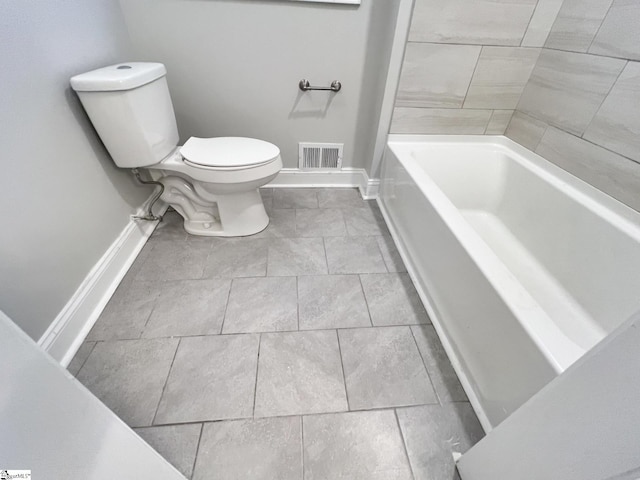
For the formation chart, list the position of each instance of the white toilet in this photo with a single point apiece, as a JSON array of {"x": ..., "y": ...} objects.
[{"x": 212, "y": 182}]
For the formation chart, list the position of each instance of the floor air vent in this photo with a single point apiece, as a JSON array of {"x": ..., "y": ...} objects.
[{"x": 320, "y": 156}]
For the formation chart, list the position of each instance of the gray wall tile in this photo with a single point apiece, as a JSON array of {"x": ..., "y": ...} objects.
[
  {"x": 436, "y": 75},
  {"x": 566, "y": 89},
  {"x": 480, "y": 22},
  {"x": 607, "y": 171},
  {"x": 616, "y": 126},
  {"x": 439, "y": 121},
  {"x": 577, "y": 24},
  {"x": 619, "y": 35},
  {"x": 499, "y": 121},
  {"x": 525, "y": 130},
  {"x": 500, "y": 77},
  {"x": 541, "y": 23}
]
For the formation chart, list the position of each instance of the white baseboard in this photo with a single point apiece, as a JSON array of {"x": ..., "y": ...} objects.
[
  {"x": 69, "y": 329},
  {"x": 346, "y": 177}
]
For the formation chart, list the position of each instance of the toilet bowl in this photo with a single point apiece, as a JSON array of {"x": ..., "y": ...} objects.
[
  {"x": 212, "y": 182},
  {"x": 217, "y": 192}
]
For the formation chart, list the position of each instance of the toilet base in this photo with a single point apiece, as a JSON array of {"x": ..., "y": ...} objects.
[{"x": 235, "y": 214}]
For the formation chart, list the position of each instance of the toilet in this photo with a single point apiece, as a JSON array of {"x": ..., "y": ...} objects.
[{"x": 212, "y": 182}]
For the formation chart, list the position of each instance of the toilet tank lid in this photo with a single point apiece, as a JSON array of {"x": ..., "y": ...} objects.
[{"x": 122, "y": 76}]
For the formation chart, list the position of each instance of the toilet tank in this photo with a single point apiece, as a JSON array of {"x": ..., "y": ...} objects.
[{"x": 130, "y": 107}]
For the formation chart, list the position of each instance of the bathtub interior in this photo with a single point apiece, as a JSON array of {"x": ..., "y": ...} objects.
[{"x": 578, "y": 259}]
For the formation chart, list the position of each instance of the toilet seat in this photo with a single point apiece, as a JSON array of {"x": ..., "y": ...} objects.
[{"x": 228, "y": 152}]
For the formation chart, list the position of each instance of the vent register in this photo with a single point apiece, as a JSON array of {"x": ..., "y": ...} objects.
[{"x": 320, "y": 156}]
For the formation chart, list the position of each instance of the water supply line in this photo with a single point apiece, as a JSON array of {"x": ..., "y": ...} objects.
[{"x": 149, "y": 216}]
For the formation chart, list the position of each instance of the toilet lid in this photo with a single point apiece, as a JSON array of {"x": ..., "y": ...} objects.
[{"x": 228, "y": 151}]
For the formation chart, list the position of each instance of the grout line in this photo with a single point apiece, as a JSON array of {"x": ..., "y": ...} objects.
[
  {"x": 600, "y": 26},
  {"x": 226, "y": 305},
  {"x": 298, "y": 414},
  {"x": 424, "y": 363},
  {"x": 195, "y": 458},
  {"x": 526, "y": 30},
  {"x": 272, "y": 331},
  {"x": 95, "y": 342},
  {"x": 302, "y": 443},
  {"x": 599, "y": 55},
  {"x": 298, "y": 303},
  {"x": 475, "y": 68},
  {"x": 366, "y": 302},
  {"x": 326, "y": 258},
  {"x": 522, "y": 47},
  {"x": 404, "y": 442},
  {"x": 255, "y": 386},
  {"x": 344, "y": 377},
  {"x": 604, "y": 99},
  {"x": 166, "y": 381}
]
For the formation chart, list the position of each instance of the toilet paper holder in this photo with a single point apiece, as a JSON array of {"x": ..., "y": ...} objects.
[{"x": 305, "y": 86}]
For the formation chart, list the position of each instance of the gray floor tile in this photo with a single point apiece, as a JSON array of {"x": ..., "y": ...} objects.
[
  {"x": 354, "y": 255},
  {"x": 393, "y": 300},
  {"x": 295, "y": 198},
  {"x": 188, "y": 307},
  {"x": 212, "y": 378},
  {"x": 365, "y": 221},
  {"x": 176, "y": 260},
  {"x": 320, "y": 222},
  {"x": 237, "y": 257},
  {"x": 340, "y": 198},
  {"x": 128, "y": 376},
  {"x": 354, "y": 446},
  {"x": 131, "y": 276},
  {"x": 178, "y": 444},
  {"x": 80, "y": 357},
  {"x": 433, "y": 432},
  {"x": 442, "y": 374},
  {"x": 331, "y": 301},
  {"x": 390, "y": 254},
  {"x": 299, "y": 373},
  {"x": 266, "y": 304},
  {"x": 383, "y": 368},
  {"x": 265, "y": 449},
  {"x": 296, "y": 256},
  {"x": 171, "y": 227},
  {"x": 282, "y": 224},
  {"x": 127, "y": 312}
]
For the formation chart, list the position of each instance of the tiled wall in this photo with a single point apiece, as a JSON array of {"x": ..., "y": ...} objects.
[
  {"x": 467, "y": 63},
  {"x": 581, "y": 107}
]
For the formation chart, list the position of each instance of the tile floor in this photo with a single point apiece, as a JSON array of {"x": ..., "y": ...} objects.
[{"x": 300, "y": 352}]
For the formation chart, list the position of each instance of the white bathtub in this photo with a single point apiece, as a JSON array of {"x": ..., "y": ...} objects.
[{"x": 522, "y": 266}]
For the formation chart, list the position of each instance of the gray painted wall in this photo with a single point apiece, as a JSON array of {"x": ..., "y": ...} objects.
[
  {"x": 581, "y": 106},
  {"x": 234, "y": 68},
  {"x": 62, "y": 202},
  {"x": 467, "y": 62}
]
